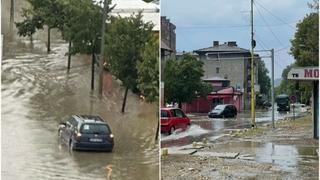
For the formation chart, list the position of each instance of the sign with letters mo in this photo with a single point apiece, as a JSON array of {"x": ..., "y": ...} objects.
[{"x": 304, "y": 73}]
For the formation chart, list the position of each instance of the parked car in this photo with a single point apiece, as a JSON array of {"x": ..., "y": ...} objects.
[
  {"x": 172, "y": 119},
  {"x": 300, "y": 107},
  {"x": 86, "y": 132},
  {"x": 223, "y": 111}
]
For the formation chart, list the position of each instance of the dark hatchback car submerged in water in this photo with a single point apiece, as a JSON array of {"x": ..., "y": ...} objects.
[
  {"x": 86, "y": 132},
  {"x": 223, "y": 111}
]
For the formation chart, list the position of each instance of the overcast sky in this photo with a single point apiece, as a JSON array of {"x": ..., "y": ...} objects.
[{"x": 201, "y": 22}]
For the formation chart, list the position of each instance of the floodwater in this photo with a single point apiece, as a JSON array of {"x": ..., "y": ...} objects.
[
  {"x": 38, "y": 93},
  {"x": 289, "y": 158},
  {"x": 212, "y": 128}
]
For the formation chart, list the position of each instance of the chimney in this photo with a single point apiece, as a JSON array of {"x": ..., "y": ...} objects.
[
  {"x": 232, "y": 43},
  {"x": 215, "y": 43}
]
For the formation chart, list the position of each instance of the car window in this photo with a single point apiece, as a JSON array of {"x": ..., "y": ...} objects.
[
  {"x": 219, "y": 107},
  {"x": 178, "y": 113},
  {"x": 164, "y": 113},
  {"x": 94, "y": 129}
]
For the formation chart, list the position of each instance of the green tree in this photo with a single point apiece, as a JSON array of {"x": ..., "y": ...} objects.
[
  {"x": 263, "y": 78},
  {"x": 305, "y": 44},
  {"x": 148, "y": 70},
  {"x": 286, "y": 86},
  {"x": 300, "y": 89},
  {"x": 125, "y": 41},
  {"x": 42, "y": 12},
  {"x": 182, "y": 79},
  {"x": 83, "y": 30}
]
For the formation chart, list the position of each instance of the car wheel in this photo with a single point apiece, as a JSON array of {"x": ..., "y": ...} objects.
[{"x": 171, "y": 130}]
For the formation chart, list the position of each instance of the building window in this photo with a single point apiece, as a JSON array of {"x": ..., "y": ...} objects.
[{"x": 217, "y": 70}]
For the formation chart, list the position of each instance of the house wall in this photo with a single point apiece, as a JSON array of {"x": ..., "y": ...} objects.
[
  {"x": 168, "y": 34},
  {"x": 204, "y": 105},
  {"x": 231, "y": 69}
]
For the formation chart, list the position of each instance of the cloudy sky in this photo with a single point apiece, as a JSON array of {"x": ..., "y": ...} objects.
[{"x": 201, "y": 22}]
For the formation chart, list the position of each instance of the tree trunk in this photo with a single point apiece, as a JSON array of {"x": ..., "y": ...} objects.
[
  {"x": 48, "y": 47},
  {"x": 31, "y": 41},
  {"x": 157, "y": 132},
  {"x": 69, "y": 56},
  {"x": 92, "y": 72},
  {"x": 124, "y": 100},
  {"x": 11, "y": 14}
]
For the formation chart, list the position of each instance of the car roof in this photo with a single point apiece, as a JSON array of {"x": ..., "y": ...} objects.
[
  {"x": 89, "y": 119},
  {"x": 225, "y": 105},
  {"x": 169, "y": 108}
]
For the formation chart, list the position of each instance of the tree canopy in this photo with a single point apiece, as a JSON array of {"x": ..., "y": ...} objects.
[
  {"x": 182, "y": 80},
  {"x": 148, "y": 70},
  {"x": 305, "y": 50},
  {"x": 305, "y": 44},
  {"x": 126, "y": 38},
  {"x": 127, "y": 44},
  {"x": 263, "y": 78}
]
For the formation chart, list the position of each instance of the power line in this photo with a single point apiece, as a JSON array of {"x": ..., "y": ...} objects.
[
  {"x": 266, "y": 47},
  {"x": 274, "y": 35},
  {"x": 275, "y": 15},
  {"x": 281, "y": 49},
  {"x": 223, "y": 26}
]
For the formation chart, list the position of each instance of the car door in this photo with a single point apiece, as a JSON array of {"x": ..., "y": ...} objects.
[
  {"x": 174, "y": 119},
  {"x": 184, "y": 119},
  {"x": 227, "y": 111},
  {"x": 180, "y": 118}
]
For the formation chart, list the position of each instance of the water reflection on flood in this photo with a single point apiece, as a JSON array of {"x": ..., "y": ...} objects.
[{"x": 38, "y": 93}]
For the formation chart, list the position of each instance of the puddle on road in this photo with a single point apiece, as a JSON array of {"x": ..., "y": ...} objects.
[{"x": 287, "y": 157}]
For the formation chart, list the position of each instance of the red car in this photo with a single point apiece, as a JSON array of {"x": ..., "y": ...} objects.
[{"x": 172, "y": 119}]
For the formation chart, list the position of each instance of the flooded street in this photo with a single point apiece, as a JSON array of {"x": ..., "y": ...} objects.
[
  {"x": 287, "y": 152},
  {"x": 38, "y": 93},
  {"x": 212, "y": 128}
]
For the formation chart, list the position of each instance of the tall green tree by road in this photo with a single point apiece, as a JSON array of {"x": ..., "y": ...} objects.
[
  {"x": 182, "y": 79},
  {"x": 305, "y": 50},
  {"x": 42, "y": 12},
  {"x": 305, "y": 44},
  {"x": 126, "y": 39},
  {"x": 83, "y": 30},
  {"x": 289, "y": 87},
  {"x": 263, "y": 78},
  {"x": 148, "y": 70}
]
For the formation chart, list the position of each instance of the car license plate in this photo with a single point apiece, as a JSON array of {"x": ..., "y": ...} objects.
[{"x": 95, "y": 140}]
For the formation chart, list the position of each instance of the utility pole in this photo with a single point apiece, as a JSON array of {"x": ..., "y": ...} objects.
[
  {"x": 104, "y": 17},
  {"x": 253, "y": 44},
  {"x": 11, "y": 14},
  {"x": 272, "y": 85}
]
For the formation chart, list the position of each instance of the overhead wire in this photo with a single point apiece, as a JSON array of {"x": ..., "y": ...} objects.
[
  {"x": 274, "y": 15},
  {"x": 274, "y": 35}
]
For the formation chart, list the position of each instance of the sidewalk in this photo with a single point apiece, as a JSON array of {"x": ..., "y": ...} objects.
[{"x": 287, "y": 152}]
